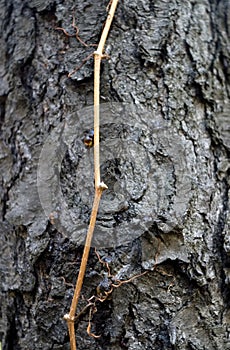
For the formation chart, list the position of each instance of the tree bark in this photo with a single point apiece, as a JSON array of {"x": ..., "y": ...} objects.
[{"x": 165, "y": 89}]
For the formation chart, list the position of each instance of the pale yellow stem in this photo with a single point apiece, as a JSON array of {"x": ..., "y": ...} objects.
[
  {"x": 98, "y": 55},
  {"x": 99, "y": 186}
]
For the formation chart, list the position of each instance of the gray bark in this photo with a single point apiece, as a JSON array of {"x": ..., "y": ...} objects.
[{"x": 169, "y": 64}]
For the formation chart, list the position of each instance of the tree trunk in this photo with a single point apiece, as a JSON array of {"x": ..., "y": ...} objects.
[{"x": 164, "y": 156}]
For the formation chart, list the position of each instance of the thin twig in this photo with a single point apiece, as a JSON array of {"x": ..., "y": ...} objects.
[
  {"x": 99, "y": 186},
  {"x": 81, "y": 65},
  {"x": 91, "y": 312},
  {"x": 98, "y": 55},
  {"x": 119, "y": 283},
  {"x": 76, "y": 34},
  {"x": 103, "y": 262},
  {"x": 70, "y": 318}
]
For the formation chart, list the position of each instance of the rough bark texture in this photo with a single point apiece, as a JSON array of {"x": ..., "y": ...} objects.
[{"x": 169, "y": 56}]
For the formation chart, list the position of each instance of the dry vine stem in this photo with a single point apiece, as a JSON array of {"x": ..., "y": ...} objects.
[{"x": 99, "y": 186}]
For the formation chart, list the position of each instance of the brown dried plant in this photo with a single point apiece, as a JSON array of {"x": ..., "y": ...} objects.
[
  {"x": 114, "y": 283},
  {"x": 99, "y": 185}
]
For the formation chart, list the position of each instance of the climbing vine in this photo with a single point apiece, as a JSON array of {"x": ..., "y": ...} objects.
[
  {"x": 99, "y": 185},
  {"x": 92, "y": 139}
]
